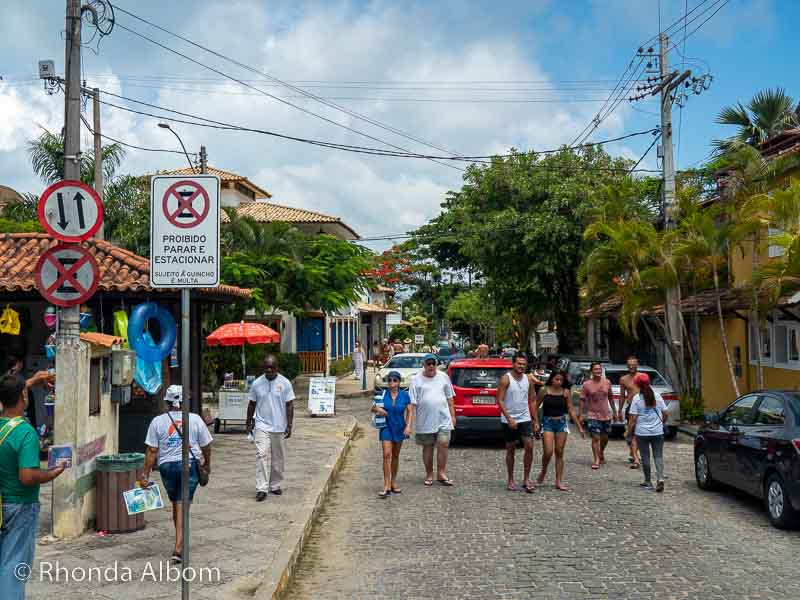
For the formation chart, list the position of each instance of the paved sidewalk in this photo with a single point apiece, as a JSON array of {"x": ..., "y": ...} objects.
[{"x": 253, "y": 545}]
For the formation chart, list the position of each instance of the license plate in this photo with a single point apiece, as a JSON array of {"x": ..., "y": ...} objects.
[{"x": 483, "y": 400}]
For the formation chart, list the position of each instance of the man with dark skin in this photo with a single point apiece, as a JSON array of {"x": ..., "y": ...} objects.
[
  {"x": 515, "y": 396},
  {"x": 627, "y": 390},
  {"x": 269, "y": 418}
]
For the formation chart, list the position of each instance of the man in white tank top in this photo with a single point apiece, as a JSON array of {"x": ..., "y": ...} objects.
[{"x": 518, "y": 418}]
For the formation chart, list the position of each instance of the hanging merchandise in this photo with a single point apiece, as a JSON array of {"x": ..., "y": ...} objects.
[
  {"x": 9, "y": 321},
  {"x": 50, "y": 347},
  {"x": 121, "y": 326},
  {"x": 50, "y": 317},
  {"x": 173, "y": 357},
  {"x": 86, "y": 321},
  {"x": 148, "y": 374},
  {"x": 137, "y": 325}
]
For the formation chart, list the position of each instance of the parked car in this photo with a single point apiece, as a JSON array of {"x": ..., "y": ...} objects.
[
  {"x": 754, "y": 445},
  {"x": 614, "y": 372},
  {"x": 448, "y": 353},
  {"x": 475, "y": 383},
  {"x": 407, "y": 364}
]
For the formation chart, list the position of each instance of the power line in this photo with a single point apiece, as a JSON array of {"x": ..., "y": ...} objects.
[
  {"x": 331, "y": 121},
  {"x": 206, "y": 122},
  {"x": 129, "y": 145},
  {"x": 646, "y": 152},
  {"x": 299, "y": 90}
]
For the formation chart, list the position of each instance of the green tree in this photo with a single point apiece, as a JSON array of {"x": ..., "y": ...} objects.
[
  {"x": 518, "y": 223},
  {"x": 47, "y": 159},
  {"x": 768, "y": 113}
]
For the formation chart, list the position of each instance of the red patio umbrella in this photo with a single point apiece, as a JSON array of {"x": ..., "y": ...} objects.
[{"x": 239, "y": 334}]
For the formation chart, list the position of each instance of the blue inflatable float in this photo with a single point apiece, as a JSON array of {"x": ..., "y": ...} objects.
[{"x": 137, "y": 323}]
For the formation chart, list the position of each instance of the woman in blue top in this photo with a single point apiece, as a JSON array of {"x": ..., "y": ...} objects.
[{"x": 396, "y": 411}]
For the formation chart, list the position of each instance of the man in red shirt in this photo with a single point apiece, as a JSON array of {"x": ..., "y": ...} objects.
[{"x": 597, "y": 393}]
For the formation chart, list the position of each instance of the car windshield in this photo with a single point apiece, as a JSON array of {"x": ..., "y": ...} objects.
[
  {"x": 405, "y": 362},
  {"x": 477, "y": 377},
  {"x": 444, "y": 351},
  {"x": 656, "y": 380}
]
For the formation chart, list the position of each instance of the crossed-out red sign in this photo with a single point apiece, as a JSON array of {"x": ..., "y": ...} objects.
[
  {"x": 67, "y": 275},
  {"x": 181, "y": 201}
]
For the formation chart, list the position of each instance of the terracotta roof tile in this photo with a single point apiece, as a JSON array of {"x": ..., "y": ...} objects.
[
  {"x": 223, "y": 176},
  {"x": 269, "y": 212},
  {"x": 120, "y": 269}
]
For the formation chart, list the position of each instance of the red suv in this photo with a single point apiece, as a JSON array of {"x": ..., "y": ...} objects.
[{"x": 475, "y": 383}]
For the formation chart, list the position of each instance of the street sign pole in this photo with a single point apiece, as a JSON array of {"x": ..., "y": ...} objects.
[{"x": 185, "y": 382}]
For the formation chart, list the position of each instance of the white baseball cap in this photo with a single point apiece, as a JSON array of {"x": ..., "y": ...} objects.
[{"x": 174, "y": 395}]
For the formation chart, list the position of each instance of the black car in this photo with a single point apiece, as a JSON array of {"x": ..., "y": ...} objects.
[{"x": 754, "y": 445}]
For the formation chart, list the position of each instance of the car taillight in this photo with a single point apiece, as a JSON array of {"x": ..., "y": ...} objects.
[
  {"x": 796, "y": 444},
  {"x": 669, "y": 397}
]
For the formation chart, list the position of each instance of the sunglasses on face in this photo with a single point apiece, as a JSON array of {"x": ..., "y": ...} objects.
[
  {"x": 430, "y": 363},
  {"x": 391, "y": 379}
]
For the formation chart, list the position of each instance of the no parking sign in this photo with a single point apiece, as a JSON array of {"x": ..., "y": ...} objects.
[{"x": 184, "y": 231}]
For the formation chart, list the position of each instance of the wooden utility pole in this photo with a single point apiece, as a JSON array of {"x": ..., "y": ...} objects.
[{"x": 98, "y": 154}]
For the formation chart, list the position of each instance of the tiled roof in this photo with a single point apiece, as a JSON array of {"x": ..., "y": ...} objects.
[
  {"x": 269, "y": 212},
  {"x": 702, "y": 303},
  {"x": 223, "y": 176},
  {"x": 367, "y": 307},
  {"x": 120, "y": 270}
]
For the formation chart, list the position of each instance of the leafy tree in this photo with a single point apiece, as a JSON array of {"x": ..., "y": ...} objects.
[
  {"x": 518, "y": 224},
  {"x": 768, "y": 113},
  {"x": 47, "y": 159},
  {"x": 127, "y": 213}
]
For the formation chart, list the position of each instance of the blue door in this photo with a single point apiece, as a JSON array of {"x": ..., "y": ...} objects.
[{"x": 310, "y": 334}]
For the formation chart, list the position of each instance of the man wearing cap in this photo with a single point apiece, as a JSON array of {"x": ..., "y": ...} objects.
[
  {"x": 165, "y": 441},
  {"x": 434, "y": 414},
  {"x": 269, "y": 418}
]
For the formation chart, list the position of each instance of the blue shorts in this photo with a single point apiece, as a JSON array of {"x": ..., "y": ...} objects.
[
  {"x": 385, "y": 434},
  {"x": 171, "y": 475},
  {"x": 554, "y": 425},
  {"x": 596, "y": 427}
]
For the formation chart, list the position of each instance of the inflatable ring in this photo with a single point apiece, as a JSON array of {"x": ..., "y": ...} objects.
[{"x": 140, "y": 315}]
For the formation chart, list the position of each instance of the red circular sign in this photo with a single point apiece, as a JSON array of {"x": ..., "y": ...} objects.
[
  {"x": 65, "y": 216},
  {"x": 185, "y": 204},
  {"x": 67, "y": 275}
]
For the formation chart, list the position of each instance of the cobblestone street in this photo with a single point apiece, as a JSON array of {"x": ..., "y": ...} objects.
[{"x": 607, "y": 538}]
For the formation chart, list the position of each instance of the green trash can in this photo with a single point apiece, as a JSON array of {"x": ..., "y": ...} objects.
[{"x": 117, "y": 473}]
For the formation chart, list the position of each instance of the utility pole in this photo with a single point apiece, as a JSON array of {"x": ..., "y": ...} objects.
[
  {"x": 98, "y": 154},
  {"x": 69, "y": 328},
  {"x": 672, "y": 306}
]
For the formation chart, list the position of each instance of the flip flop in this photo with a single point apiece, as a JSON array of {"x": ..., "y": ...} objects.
[
  {"x": 561, "y": 487},
  {"x": 428, "y": 482},
  {"x": 529, "y": 489},
  {"x": 397, "y": 491},
  {"x": 635, "y": 465},
  {"x": 384, "y": 494},
  {"x": 512, "y": 487},
  {"x": 446, "y": 482},
  {"x": 595, "y": 467}
]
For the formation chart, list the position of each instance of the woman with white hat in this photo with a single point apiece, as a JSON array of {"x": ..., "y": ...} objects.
[{"x": 165, "y": 441}]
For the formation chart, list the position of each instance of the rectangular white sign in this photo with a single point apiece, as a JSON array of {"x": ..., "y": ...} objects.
[
  {"x": 322, "y": 395},
  {"x": 184, "y": 231}
]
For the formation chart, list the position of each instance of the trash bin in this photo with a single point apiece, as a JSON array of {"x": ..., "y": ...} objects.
[{"x": 117, "y": 473}]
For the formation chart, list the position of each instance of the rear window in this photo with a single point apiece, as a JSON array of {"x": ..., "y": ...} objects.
[
  {"x": 477, "y": 378},
  {"x": 655, "y": 379},
  {"x": 405, "y": 362}
]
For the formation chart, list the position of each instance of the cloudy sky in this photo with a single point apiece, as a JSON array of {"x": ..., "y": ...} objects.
[{"x": 469, "y": 77}]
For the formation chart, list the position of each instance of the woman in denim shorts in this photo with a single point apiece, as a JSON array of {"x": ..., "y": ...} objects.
[{"x": 555, "y": 402}]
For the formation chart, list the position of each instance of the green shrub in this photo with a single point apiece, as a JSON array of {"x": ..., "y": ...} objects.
[
  {"x": 341, "y": 366},
  {"x": 219, "y": 360},
  {"x": 692, "y": 408}
]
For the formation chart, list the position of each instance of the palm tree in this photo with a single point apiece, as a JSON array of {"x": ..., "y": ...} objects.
[
  {"x": 704, "y": 242},
  {"x": 47, "y": 159},
  {"x": 768, "y": 113}
]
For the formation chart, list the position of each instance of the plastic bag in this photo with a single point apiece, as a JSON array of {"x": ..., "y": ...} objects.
[
  {"x": 9, "y": 321},
  {"x": 121, "y": 326},
  {"x": 147, "y": 374}
]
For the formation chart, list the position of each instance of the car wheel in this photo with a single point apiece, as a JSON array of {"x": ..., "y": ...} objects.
[
  {"x": 671, "y": 433},
  {"x": 216, "y": 425},
  {"x": 776, "y": 500},
  {"x": 702, "y": 471}
]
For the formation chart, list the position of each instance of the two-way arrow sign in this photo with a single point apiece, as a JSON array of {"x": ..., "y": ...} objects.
[{"x": 64, "y": 213}]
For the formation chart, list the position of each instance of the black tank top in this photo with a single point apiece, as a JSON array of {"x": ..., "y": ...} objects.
[{"x": 554, "y": 405}]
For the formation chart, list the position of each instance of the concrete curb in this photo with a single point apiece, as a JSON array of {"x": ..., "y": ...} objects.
[{"x": 276, "y": 580}]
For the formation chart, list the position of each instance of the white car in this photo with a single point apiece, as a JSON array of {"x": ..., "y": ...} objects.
[
  {"x": 407, "y": 364},
  {"x": 613, "y": 372}
]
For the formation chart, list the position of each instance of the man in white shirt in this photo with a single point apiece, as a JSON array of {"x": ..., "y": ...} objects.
[
  {"x": 165, "y": 442},
  {"x": 269, "y": 418},
  {"x": 435, "y": 416}
]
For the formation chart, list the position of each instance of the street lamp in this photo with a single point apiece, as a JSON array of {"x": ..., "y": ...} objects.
[{"x": 166, "y": 126}]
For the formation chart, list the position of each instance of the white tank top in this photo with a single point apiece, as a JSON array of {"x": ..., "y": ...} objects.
[{"x": 516, "y": 400}]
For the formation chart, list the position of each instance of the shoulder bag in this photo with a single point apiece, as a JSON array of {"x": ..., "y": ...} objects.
[
  {"x": 203, "y": 473},
  {"x": 3, "y": 435}
]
